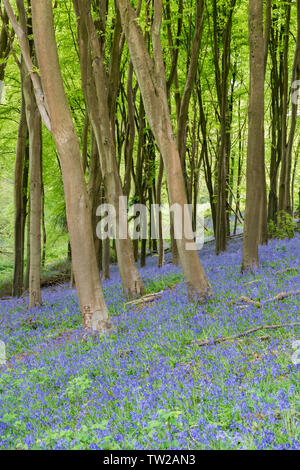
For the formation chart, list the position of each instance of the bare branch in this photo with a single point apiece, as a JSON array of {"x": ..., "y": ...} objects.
[{"x": 24, "y": 44}]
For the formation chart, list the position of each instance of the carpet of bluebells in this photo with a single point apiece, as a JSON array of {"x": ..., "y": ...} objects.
[{"x": 149, "y": 385}]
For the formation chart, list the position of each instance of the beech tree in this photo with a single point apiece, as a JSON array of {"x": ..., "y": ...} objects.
[
  {"x": 50, "y": 96},
  {"x": 34, "y": 126},
  {"x": 158, "y": 95},
  {"x": 288, "y": 133},
  {"x": 255, "y": 157},
  {"x": 100, "y": 100},
  {"x": 222, "y": 34},
  {"x": 152, "y": 82}
]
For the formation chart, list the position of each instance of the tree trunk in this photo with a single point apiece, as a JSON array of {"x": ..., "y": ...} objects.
[
  {"x": 35, "y": 147},
  {"x": 161, "y": 251},
  {"x": 19, "y": 220},
  {"x": 221, "y": 76},
  {"x": 94, "y": 193},
  {"x": 283, "y": 189},
  {"x": 105, "y": 259},
  {"x": 191, "y": 76},
  {"x": 275, "y": 114},
  {"x": 34, "y": 126},
  {"x": 255, "y": 157},
  {"x": 152, "y": 82},
  {"x": 5, "y": 45},
  {"x": 26, "y": 282},
  {"x": 287, "y": 206},
  {"x": 95, "y": 87},
  {"x": 92, "y": 304}
]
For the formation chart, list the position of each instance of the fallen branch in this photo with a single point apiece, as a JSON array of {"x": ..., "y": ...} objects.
[
  {"x": 254, "y": 281},
  {"x": 280, "y": 296},
  {"x": 250, "y": 301},
  {"x": 283, "y": 295},
  {"x": 245, "y": 333},
  {"x": 145, "y": 299},
  {"x": 290, "y": 268},
  {"x": 281, "y": 271}
]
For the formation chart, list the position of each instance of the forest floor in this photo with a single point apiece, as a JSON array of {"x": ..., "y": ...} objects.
[{"x": 150, "y": 384}]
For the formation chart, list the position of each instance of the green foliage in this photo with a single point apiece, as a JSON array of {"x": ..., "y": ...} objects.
[
  {"x": 283, "y": 228},
  {"x": 77, "y": 387},
  {"x": 156, "y": 285}
]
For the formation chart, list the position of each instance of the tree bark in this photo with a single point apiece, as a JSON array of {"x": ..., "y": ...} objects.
[
  {"x": 286, "y": 202},
  {"x": 283, "y": 190},
  {"x": 100, "y": 102},
  {"x": 191, "y": 77},
  {"x": 275, "y": 113},
  {"x": 94, "y": 193},
  {"x": 19, "y": 219},
  {"x": 161, "y": 251},
  {"x": 92, "y": 304},
  {"x": 5, "y": 45},
  {"x": 221, "y": 76},
  {"x": 35, "y": 147},
  {"x": 34, "y": 126},
  {"x": 152, "y": 82},
  {"x": 255, "y": 157}
]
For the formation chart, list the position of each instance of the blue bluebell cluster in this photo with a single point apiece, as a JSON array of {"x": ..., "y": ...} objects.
[{"x": 149, "y": 385}]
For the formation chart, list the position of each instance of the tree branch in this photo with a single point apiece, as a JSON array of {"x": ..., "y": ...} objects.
[{"x": 24, "y": 44}]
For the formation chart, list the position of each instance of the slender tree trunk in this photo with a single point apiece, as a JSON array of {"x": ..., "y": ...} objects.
[
  {"x": 263, "y": 214},
  {"x": 152, "y": 224},
  {"x": 207, "y": 164},
  {"x": 35, "y": 142},
  {"x": 94, "y": 310},
  {"x": 276, "y": 112},
  {"x": 5, "y": 45},
  {"x": 44, "y": 233},
  {"x": 94, "y": 193},
  {"x": 19, "y": 221},
  {"x": 283, "y": 190},
  {"x": 191, "y": 77},
  {"x": 27, "y": 272},
  {"x": 255, "y": 157},
  {"x": 98, "y": 99},
  {"x": 34, "y": 126},
  {"x": 221, "y": 75},
  {"x": 143, "y": 252},
  {"x": 293, "y": 178},
  {"x": 85, "y": 136},
  {"x": 105, "y": 259},
  {"x": 129, "y": 142},
  {"x": 161, "y": 250},
  {"x": 287, "y": 206},
  {"x": 152, "y": 82}
]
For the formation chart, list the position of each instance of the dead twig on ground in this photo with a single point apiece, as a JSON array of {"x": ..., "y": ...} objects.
[
  {"x": 280, "y": 296},
  {"x": 244, "y": 333},
  {"x": 146, "y": 298}
]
